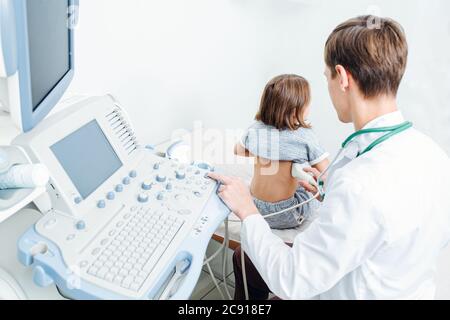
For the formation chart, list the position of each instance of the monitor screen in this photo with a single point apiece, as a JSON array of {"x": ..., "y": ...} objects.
[
  {"x": 49, "y": 46},
  {"x": 87, "y": 157}
]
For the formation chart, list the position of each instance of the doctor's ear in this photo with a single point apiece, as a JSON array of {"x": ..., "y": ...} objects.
[{"x": 344, "y": 78}]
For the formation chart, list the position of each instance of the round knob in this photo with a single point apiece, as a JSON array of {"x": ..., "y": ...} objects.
[
  {"x": 156, "y": 166},
  {"x": 143, "y": 197},
  {"x": 147, "y": 185},
  {"x": 78, "y": 200},
  {"x": 119, "y": 188},
  {"x": 101, "y": 204},
  {"x": 160, "y": 197},
  {"x": 198, "y": 194},
  {"x": 161, "y": 178},
  {"x": 126, "y": 181},
  {"x": 181, "y": 198},
  {"x": 169, "y": 187},
  {"x": 111, "y": 196},
  {"x": 204, "y": 166},
  {"x": 80, "y": 225},
  {"x": 133, "y": 174},
  {"x": 180, "y": 175}
]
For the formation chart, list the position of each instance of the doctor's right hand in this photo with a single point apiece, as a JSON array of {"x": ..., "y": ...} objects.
[
  {"x": 307, "y": 186},
  {"x": 236, "y": 195}
]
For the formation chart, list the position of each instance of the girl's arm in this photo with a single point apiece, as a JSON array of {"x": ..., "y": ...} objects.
[
  {"x": 239, "y": 150},
  {"x": 322, "y": 166}
]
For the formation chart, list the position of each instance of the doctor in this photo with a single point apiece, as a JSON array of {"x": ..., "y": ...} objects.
[{"x": 386, "y": 214}]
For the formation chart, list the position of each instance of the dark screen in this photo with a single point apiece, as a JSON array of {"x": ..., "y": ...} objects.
[{"x": 49, "y": 44}]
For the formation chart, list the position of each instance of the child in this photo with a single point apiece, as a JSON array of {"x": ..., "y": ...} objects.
[{"x": 280, "y": 137}]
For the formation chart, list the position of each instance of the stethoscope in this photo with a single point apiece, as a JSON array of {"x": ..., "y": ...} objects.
[{"x": 390, "y": 133}]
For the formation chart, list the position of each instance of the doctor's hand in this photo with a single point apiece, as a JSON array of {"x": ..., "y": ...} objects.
[
  {"x": 236, "y": 195},
  {"x": 307, "y": 186}
]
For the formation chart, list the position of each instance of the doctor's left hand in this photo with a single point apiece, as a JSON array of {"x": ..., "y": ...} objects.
[{"x": 236, "y": 195}]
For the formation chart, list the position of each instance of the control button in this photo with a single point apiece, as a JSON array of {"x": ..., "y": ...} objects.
[
  {"x": 119, "y": 188},
  {"x": 198, "y": 194},
  {"x": 161, "y": 178},
  {"x": 204, "y": 166},
  {"x": 133, "y": 174},
  {"x": 182, "y": 198},
  {"x": 149, "y": 147},
  {"x": 50, "y": 223},
  {"x": 96, "y": 251},
  {"x": 156, "y": 166},
  {"x": 112, "y": 233},
  {"x": 84, "y": 264},
  {"x": 204, "y": 188},
  {"x": 126, "y": 181},
  {"x": 147, "y": 185},
  {"x": 185, "y": 212},
  {"x": 180, "y": 175},
  {"x": 70, "y": 237},
  {"x": 197, "y": 172},
  {"x": 143, "y": 197},
  {"x": 111, "y": 196},
  {"x": 80, "y": 225},
  {"x": 78, "y": 200},
  {"x": 101, "y": 204},
  {"x": 160, "y": 197}
]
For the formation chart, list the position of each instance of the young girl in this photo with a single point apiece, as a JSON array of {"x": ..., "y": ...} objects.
[{"x": 280, "y": 137}]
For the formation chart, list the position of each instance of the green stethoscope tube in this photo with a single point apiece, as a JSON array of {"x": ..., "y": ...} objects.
[{"x": 390, "y": 132}]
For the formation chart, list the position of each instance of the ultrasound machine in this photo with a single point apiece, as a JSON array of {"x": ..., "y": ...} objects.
[{"x": 119, "y": 220}]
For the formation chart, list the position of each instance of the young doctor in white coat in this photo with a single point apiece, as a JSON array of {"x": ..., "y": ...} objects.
[{"x": 385, "y": 217}]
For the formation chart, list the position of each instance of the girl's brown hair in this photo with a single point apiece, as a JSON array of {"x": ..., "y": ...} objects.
[{"x": 284, "y": 102}]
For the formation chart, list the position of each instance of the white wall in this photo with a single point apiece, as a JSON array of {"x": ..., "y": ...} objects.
[{"x": 172, "y": 62}]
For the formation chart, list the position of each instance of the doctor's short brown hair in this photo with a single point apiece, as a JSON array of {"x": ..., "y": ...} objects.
[
  {"x": 373, "y": 50},
  {"x": 284, "y": 103}
]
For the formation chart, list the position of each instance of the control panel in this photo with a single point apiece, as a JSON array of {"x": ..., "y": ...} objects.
[{"x": 122, "y": 216}]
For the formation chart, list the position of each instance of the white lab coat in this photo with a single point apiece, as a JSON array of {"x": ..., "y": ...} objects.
[{"x": 379, "y": 232}]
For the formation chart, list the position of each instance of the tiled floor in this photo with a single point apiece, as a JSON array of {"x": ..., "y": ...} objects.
[{"x": 206, "y": 290}]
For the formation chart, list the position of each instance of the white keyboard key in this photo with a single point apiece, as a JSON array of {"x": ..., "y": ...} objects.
[
  {"x": 118, "y": 280},
  {"x": 134, "y": 273},
  {"x": 93, "y": 271},
  {"x": 109, "y": 277},
  {"x": 123, "y": 273},
  {"x": 135, "y": 286},
  {"x": 127, "y": 282},
  {"x": 128, "y": 266},
  {"x": 139, "y": 280},
  {"x": 102, "y": 272},
  {"x": 114, "y": 270}
]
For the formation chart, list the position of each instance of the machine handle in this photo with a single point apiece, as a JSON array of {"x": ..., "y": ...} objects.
[{"x": 190, "y": 279}]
